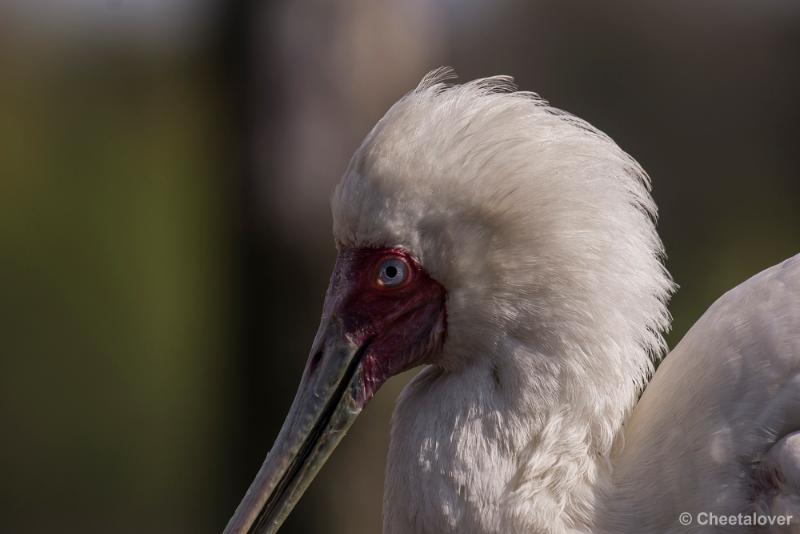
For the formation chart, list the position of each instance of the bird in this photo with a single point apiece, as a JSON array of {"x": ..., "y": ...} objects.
[{"x": 510, "y": 250}]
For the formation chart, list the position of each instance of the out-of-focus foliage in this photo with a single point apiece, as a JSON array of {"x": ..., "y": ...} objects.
[
  {"x": 113, "y": 276},
  {"x": 165, "y": 169}
]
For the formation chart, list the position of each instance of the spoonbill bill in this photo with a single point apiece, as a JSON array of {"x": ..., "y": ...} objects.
[{"x": 510, "y": 248}]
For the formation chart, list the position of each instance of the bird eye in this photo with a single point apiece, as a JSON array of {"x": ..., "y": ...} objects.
[{"x": 392, "y": 272}]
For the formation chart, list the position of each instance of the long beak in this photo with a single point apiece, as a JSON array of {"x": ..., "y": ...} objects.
[{"x": 323, "y": 409}]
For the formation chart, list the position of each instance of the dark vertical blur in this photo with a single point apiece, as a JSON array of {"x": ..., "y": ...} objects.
[
  {"x": 266, "y": 264},
  {"x": 165, "y": 170}
]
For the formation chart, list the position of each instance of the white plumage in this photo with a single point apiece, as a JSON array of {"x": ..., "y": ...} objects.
[{"x": 542, "y": 231}]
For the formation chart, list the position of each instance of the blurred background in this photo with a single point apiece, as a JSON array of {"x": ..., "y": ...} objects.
[{"x": 165, "y": 170}]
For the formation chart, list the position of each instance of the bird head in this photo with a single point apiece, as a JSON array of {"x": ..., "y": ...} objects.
[{"x": 474, "y": 215}]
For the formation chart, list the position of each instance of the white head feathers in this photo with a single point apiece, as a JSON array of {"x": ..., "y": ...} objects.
[{"x": 539, "y": 226}]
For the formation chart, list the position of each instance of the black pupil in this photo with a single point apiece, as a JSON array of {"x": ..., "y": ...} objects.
[{"x": 391, "y": 271}]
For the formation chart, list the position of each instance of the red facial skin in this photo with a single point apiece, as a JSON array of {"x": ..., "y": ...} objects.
[{"x": 403, "y": 324}]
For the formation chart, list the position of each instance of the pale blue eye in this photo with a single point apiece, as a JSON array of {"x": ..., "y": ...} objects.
[{"x": 392, "y": 272}]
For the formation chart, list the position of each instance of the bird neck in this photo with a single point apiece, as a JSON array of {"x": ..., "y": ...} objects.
[{"x": 518, "y": 443}]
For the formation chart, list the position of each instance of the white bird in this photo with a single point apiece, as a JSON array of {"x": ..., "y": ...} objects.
[{"x": 511, "y": 249}]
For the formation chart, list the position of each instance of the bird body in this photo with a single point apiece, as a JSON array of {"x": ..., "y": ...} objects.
[
  {"x": 511, "y": 249},
  {"x": 702, "y": 439},
  {"x": 716, "y": 430}
]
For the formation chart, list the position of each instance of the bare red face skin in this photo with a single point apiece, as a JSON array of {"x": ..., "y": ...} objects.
[{"x": 388, "y": 302}]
